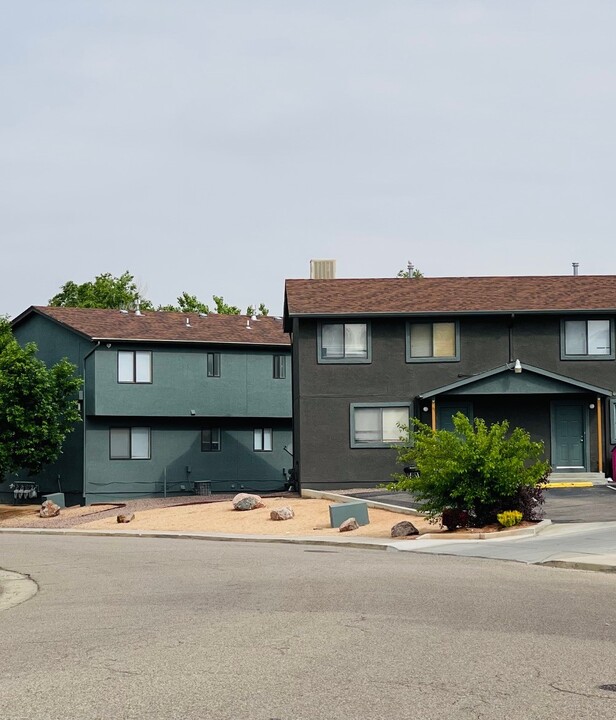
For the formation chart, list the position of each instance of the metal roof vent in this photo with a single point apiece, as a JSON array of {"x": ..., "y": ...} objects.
[
  {"x": 322, "y": 269},
  {"x": 576, "y": 268}
]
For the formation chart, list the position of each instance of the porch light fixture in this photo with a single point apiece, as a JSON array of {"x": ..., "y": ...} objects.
[{"x": 517, "y": 368}]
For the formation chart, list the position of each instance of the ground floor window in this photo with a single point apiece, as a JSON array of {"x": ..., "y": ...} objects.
[
  {"x": 378, "y": 425},
  {"x": 262, "y": 440},
  {"x": 210, "y": 440},
  {"x": 129, "y": 443}
]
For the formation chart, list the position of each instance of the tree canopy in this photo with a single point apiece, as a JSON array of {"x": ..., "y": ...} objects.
[
  {"x": 107, "y": 291},
  {"x": 38, "y": 405}
]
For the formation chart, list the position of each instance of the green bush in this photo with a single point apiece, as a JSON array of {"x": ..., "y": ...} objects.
[
  {"x": 476, "y": 468},
  {"x": 509, "y": 518}
]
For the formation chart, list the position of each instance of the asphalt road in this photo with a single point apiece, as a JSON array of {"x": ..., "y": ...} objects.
[{"x": 181, "y": 629}]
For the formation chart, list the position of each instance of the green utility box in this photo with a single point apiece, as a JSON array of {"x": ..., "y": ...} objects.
[{"x": 340, "y": 512}]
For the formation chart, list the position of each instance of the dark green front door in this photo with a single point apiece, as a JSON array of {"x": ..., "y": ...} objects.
[
  {"x": 568, "y": 437},
  {"x": 447, "y": 409}
]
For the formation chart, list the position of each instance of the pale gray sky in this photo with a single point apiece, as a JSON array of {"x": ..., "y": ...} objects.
[{"x": 215, "y": 147}]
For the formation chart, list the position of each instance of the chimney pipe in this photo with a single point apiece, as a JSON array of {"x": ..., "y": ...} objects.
[{"x": 576, "y": 268}]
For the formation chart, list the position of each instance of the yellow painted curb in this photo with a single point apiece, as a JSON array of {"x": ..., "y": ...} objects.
[{"x": 568, "y": 484}]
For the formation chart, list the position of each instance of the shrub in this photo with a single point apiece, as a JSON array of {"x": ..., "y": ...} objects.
[
  {"x": 477, "y": 468},
  {"x": 454, "y": 518},
  {"x": 509, "y": 518}
]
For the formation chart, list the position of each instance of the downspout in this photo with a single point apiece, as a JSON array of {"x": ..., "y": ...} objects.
[
  {"x": 433, "y": 414},
  {"x": 83, "y": 413},
  {"x": 600, "y": 433}
]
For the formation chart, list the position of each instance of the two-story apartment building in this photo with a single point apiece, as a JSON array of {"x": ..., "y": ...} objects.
[
  {"x": 369, "y": 354},
  {"x": 168, "y": 399}
]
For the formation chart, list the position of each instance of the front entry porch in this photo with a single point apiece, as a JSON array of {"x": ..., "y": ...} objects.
[{"x": 566, "y": 415}]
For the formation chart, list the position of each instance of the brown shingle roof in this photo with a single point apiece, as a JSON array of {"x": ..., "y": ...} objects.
[
  {"x": 167, "y": 326},
  {"x": 400, "y": 296}
]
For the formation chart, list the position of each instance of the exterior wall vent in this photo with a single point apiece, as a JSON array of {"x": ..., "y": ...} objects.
[{"x": 322, "y": 269}]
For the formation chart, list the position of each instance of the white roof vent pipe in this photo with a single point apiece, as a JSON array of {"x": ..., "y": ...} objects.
[{"x": 576, "y": 268}]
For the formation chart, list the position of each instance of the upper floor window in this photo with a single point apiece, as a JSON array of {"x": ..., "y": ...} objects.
[
  {"x": 378, "y": 425},
  {"x": 280, "y": 367},
  {"x": 129, "y": 443},
  {"x": 587, "y": 340},
  {"x": 432, "y": 342},
  {"x": 262, "y": 440},
  {"x": 210, "y": 440},
  {"x": 344, "y": 343},
  {"x": 213, "y": 364},
  {"x": 134, "y": 366}
]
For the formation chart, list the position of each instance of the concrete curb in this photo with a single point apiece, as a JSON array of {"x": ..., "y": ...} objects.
[
  {"x": 579, "y": 565},
  {"x": 15, "y": 589},
  {"x": 585, "y": 484},
  {"x": 323, "y": 495},
  {"x": 500, "y": 535},
  {"x": 367, "y": 543}
]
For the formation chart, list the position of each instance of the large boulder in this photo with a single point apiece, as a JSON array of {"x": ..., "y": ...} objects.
[
  {"x": 282, "y": 513},
  {"x": 245, "y": 501},
  {"x": 348, "y": 525},
  {"x": 404, "y": 529},
  {"x": 49, "y": 509}
]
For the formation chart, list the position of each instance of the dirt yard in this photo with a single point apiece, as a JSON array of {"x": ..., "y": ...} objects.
[{"x": 311, "y": 519}]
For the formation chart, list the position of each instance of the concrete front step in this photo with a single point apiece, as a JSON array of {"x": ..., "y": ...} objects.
[{"x": 596, "y": 478}]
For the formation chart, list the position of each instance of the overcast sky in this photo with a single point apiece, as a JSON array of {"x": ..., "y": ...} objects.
[{"x": 216, "y": 147}]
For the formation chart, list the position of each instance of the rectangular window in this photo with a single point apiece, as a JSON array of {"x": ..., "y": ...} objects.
[
  {"x": 129, "y": 443},
  {"x": 432, "y": 342},
  {"x": 210, "y": 440},
  {"x": 280, "y": 367},
  {"x": 376, "y": 425},
  {"x": 344, "y": 343},
  {"x": 134, "y": 366},
  {"x": 213, "y": 364},
  {"x": 262, "y": 440},
  {"x": 587, "y": 339}
]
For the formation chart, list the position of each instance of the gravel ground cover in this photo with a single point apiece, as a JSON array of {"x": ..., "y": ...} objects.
[{"x": 69, "y": 517}]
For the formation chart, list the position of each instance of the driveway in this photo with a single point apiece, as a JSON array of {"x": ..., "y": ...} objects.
[{"x": 562, "y": 505}]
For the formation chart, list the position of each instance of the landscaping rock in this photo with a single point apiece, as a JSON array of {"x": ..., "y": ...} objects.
[
  {"x": 283, "y": 513},
  {"x": 125, "y": 518},
  {"x": 49, "y": 509},
  {"x": 348, "y": 525},
  {"x": 244, "y": 501},
  {"x": 404, "y": 529}
]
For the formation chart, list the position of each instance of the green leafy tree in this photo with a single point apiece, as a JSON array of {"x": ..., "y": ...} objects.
[
  {"x": 106, "y": 291},
  {"x": 223, "y": 309},
  {"x": 38, "y": 406},
  {"x": 186, "y": 303},
  {"x": 477, "y": 468},
  {"x": 250, "y": 310}
]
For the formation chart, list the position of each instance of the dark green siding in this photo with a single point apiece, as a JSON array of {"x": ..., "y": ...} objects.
[
  {"x": 323, "y": 393},
  {"x": 175, "y": 448},
  {"x": 245, "y": 388}
]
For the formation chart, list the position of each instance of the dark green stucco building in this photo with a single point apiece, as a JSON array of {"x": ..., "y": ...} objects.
[
  {"x": 169, "y": 400},
  {"x": 369, "y": 354}
]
